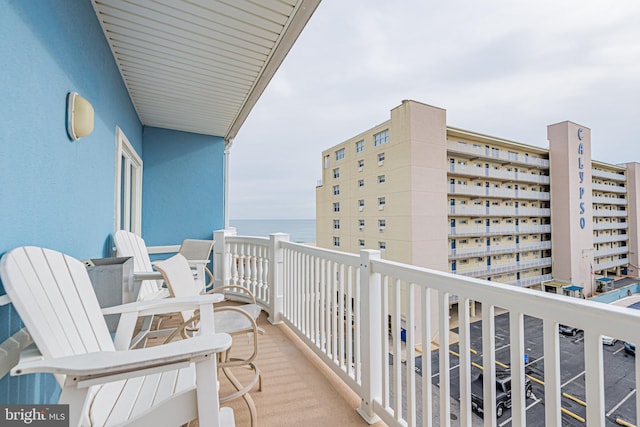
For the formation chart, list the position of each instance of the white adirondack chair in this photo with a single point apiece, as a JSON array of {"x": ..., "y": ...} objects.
[
  {"x": 166, "y": 385},
  {"x": 130, "y": 244}
]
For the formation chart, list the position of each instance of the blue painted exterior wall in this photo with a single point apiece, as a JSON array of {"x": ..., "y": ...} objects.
[
  {"x": 183, "y": 186},
  {"x": 60, "y": 194}
]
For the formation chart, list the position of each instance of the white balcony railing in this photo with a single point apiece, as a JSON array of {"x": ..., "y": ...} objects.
[
  {"x": 340, "y": 304},
  {"x": 611, "y": 238},
  {"x": 608, "y": 200},
  {"x": 611, "y": 251},
  {"x": 609, "y": 188},
  {"x": 609, "y": 213},
  {"x": 502, "y": 211},
  {"x": 474, "y": 251},
  {"x": 611, "y": 264},
  {"x": 481, "y": 230},
  {"x": 500, "y": 174},
  {"x": 610, "y": 175},
  {"x": 610, "y": 225},
  {"x": 496, "y": 154},
  {"x": 503, "y": 193}
]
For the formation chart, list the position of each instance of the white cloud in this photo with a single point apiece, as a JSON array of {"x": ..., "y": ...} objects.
[{"x": 499, "y": 67}]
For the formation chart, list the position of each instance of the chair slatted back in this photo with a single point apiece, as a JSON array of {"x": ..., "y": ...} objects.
[
  {"x": 54, "y": 297},
  {"x": 130, "y": 244}
]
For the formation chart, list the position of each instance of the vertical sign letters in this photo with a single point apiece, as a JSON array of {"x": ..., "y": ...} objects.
[{"x": 581, "y": 178}]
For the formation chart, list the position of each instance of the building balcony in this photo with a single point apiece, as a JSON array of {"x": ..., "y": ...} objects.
[
  {"x": 530, "y": 281},
  {"x": 609, "y": 200},
  {"x": 495, "y": 155},
  {"x": 468, "y": 252},
  {"x": 481, "y": 230},
  {"x": 611, "y": 238},
  {"x": 499, "y": 174},
  {"x": 510, "y": 267},
  {"x": 609, "y": 188},
  {"x": 333, "y": 303},
  {"x": 605, "y": 213},
  {"x": 611, "y": 226},
  {"x": 500, "y": 193},
  {"x": 501, "y": 211},
  {"x": 611, "y": 251},
  {"x": 620, "y": 177},
  {"x": 622, "y": 262}
]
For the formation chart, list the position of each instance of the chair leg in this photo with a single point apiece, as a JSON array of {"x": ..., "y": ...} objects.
[{"x": 244, "y": 394}]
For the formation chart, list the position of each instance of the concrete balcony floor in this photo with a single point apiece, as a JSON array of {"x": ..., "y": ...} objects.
[{"x": 297, "y": 389}]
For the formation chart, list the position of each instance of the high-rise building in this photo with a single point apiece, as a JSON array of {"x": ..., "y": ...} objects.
[{"x": 432, "y": 195}]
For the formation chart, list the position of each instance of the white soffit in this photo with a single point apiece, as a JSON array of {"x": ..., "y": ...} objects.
[{"x": 200, "y": 65}]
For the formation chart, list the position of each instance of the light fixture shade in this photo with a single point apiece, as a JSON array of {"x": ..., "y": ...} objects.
[{"x": 79, "y": 116}]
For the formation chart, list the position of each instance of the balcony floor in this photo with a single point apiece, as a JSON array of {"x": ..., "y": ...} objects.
[{"x": 296, "y": 388}]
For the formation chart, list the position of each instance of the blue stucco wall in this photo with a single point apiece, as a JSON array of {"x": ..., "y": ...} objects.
[
  {"x": 183, "y": 186},
  {"x": 60, "y": 194},
  {"x": 54, "y": 192}
]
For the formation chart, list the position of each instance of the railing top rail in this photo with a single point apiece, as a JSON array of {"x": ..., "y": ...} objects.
[
  {"x": 601, "y": 318},
  {"x": 256, "y": 240},
  {"x": 328, "y": 254}
]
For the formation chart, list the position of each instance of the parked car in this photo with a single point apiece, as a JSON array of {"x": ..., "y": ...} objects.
[
  {"x": 608, "y": 340},
  {"x": 629, "y": 348},
  {"x": 503, "y": 393},
  {"x": 568, "y": 330}
]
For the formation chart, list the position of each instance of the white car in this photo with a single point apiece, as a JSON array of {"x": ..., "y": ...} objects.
[{"x": 608, "y": 340}]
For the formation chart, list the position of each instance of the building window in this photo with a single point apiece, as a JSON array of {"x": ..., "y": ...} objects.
[
  {"x": 336, "y": 190},
  {"x": 361, "y": 183},
  {"x": 361, "y": 224},
  {"x": 381, "y": 138},
  {"x": 336, "y": 224},
  {"x": 340, "y": 154},
  {"x": 380, "y": 159},
  {"x": 381, "y": 179},
  {"x": 359, "y": 146},
  {"x": 128, "y": 186},
  {"x": 360, "y": 165},
  {"x": 361, "y": 204},
  {"x": 336, "y": 173},
  {"x": 361, "y": 243},
  {"x": 382, "y": 246},
  {"x": 381, "y": 202},
  {"x": 382, "y": 224},
  {"x": 336, "y": 241},
  {"x": 336, "y": 207},
  {"x": 327, "y": 161}
]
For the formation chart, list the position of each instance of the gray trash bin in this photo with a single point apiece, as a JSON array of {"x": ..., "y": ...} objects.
[{"x": 112, "y": 280}]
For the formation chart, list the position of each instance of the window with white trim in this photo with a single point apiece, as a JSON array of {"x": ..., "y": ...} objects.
[
  {"x": 336, "y": 207},
  {"x": 340, "y": 154},
  {"x": 336, "y": 224},
  {"x": 359, "y": 146},
  {"x": 381, "y": 138},
  {"x": 336, "y": 190},
  {"x": 336, "y": 173},
  {"x": 381, "y": 179},
  {"x": 382, "y": 246},
  {"x": 361, "y": 243},
  {"x": 360, "y": 165},
  {"x": 361, "y": 224},
  {"x": 128, "y": 195},
  {"x": 361, "y": 183},
  {"x": 336, "y": 242},
  {"x": 381, "y": 202},
  {"x": 380, "y": 159}
]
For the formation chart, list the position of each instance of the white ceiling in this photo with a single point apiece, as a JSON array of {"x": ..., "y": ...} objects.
[{"x": 200, "y": 65}]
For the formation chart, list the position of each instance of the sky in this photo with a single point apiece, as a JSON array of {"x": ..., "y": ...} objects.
[{"x": 503, "y": 68}]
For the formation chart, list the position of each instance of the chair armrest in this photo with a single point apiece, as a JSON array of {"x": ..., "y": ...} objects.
[
  {"x": 163, "y": 306},
  {"x": 107, "y": 363},
  {"x": 241, "y": 288},
  {"x": 147, "y": 275}
]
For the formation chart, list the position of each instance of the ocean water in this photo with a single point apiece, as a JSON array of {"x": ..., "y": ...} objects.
[{"x": 299, "y": 230}]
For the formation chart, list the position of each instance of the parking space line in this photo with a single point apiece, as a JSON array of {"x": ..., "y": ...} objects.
[
  {"x": 508, "y": 420},
  {"x": 618, "y": 350},
  {"x": 573, "y": 379},
  {"x": 631, "y": 393}
]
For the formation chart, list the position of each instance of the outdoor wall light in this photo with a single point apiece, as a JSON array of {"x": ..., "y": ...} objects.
[{"x": 79, "y": 116}]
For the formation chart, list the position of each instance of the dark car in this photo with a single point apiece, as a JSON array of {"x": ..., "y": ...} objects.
[
  {"x": 629, "y": 348},
  {"x": 568, "y": 330}
]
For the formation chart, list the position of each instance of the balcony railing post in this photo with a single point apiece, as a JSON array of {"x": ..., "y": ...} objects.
[
  {"x": 276, "y": 276},
  {"x": 222, "y": 257},
  {"x": 371, "y": 335}
]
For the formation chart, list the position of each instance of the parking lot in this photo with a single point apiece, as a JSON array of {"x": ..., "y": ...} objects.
[{"x": 619, "y": 373}]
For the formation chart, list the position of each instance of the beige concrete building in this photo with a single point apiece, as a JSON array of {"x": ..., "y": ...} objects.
[{"x": 431, "y": 195}]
